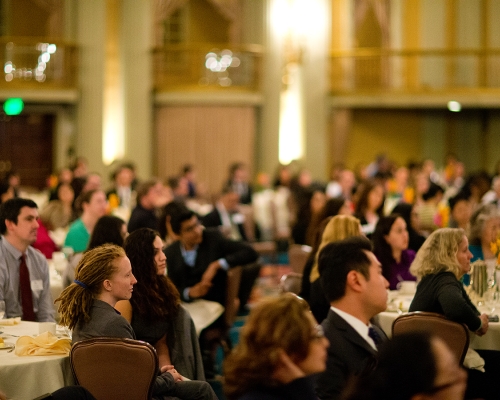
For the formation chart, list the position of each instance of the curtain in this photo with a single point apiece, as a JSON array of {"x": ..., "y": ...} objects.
[
  {"x": 381, "y": 10},
  {"x": 209, "y": 137},
  {"x": 162, "y": 9},
  {"x": 232, "y": 11},
  {"x": 56, "y": 11}
]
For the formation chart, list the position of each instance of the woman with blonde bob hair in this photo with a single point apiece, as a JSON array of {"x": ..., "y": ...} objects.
[
  {"x": 340, "y": 227},
  {"x": 439, "y": 264},
  {"x": 280, "y": 346}
]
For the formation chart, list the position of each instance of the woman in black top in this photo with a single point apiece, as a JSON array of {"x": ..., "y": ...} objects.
[
  {"x": 154, "y": 311},
  {"x": 440, "y": 263}
]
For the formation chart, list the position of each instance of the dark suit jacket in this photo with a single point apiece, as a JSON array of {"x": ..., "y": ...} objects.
[
  {"x": 349, "y": 354},
  {"x": 213, "y": 219},
  {"x": 142, "y": 218},
  {"x": 213, "y": 247}
]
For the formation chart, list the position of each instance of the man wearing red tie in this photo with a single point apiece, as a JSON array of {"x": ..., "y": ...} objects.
[{"x": 24, "y": 272}]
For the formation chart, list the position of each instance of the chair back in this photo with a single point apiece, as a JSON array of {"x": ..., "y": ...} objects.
[
  {"x": 291, "y": 282},
  {"x": 113, "y": 368},
  {"x": 454, "y": 334},
  {"x": 297, "y": 257},
  {"x": 232, "y": 302}
]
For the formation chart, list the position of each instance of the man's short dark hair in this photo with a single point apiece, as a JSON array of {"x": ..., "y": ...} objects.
[
  {"x": 337, "y": 259},
  {"x": 11, "y": 209},
  {"x": 177, "y": 218}
]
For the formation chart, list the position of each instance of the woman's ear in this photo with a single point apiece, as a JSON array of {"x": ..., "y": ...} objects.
[{"x": 107, "y": 285}]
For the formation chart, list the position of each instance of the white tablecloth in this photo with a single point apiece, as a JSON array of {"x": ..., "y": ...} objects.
[
  {"x": 27, "y": 377},
  {"x": 203, "y": 313},
  {"x": 490, "y": 341}
]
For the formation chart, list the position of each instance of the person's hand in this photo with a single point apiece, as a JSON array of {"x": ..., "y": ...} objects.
[
  {"x": 200, "y": 289},
  {"x": 286, "y": 370},
  {"x": 166, "y": 368},
  {"x": 3, "y": 396},
  {"x": 210, "y": 272},
  {"x": 172, "y": 371},
  {"x": 484, "y": 325}
]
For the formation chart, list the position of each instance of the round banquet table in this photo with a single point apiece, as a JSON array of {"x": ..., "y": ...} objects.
[
  {"x": 490, "y": 341},
  {"x": 28, "y": 377}
]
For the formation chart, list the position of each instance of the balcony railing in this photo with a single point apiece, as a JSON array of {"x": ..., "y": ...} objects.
[
  {"x": 207, "y": 67},
  {"x": 30, "y": 63},
  {"x": 433, "y": 70}
]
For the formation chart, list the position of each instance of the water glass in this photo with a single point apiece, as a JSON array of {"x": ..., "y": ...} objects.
[
  {"x": 2, "y": 309},
  {"x": 491, "y": 300}
]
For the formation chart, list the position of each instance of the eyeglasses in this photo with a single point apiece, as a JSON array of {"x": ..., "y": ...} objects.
[{"x": 318, "y": 333}]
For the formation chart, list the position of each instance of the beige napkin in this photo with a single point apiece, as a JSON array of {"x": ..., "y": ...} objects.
[
  {"x": 10, "y": 321},
  {"x": 45, "y": 344},
  {"x": 473, "y": 360}
]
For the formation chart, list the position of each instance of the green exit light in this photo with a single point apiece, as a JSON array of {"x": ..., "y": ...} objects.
[{"x": 13, "y": 106}]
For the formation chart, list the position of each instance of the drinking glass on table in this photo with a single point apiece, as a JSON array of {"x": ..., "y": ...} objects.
[
  {"x": 2, "y": 309},
  {"x": 491, "y": 300}
]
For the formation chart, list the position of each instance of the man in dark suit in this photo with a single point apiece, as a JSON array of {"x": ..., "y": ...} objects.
[
  {"x": 225, "y": 215},
  {"x": 352, "y": 279},
  {"x": 198, "y": 261}
]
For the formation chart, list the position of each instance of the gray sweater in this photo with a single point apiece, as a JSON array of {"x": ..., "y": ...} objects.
[{"x": 105, "y": 321}]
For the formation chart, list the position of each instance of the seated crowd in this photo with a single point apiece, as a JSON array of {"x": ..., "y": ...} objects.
[{"x": 139, "y": 251}]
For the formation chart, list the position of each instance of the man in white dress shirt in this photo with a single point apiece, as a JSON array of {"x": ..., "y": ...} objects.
[{"x": 352, "y": 279}]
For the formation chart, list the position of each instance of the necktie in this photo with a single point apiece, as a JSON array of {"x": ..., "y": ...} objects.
[
  {"x": 375, "y": 336},
  {"x": 25, "y": 287}
]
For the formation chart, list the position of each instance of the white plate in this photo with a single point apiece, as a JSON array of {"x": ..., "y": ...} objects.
[{"x": 8, "y": 346}]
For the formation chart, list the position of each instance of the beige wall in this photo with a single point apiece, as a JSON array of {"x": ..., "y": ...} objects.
[
  {"x": 210, "y": 138},
  {"x": 396, "y": 133}
]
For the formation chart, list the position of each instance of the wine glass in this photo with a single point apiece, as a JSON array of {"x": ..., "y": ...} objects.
[
  {"x": 2, "y": 309},
  {"x": 491, "y": 300}
]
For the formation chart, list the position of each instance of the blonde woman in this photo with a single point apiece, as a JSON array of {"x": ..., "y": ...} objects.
[
  {"x": 338, "y": 228},
  {"x": 280, "y": 347},
  {"x": 439, "y": 264}
]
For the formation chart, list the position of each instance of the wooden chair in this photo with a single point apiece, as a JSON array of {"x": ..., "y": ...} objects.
[
  {"x": 454, "y": 334},
  {"x": 297, "y": 257},
  {"x": 291, "y": 282},
  {"x": 112, "y": 368}
]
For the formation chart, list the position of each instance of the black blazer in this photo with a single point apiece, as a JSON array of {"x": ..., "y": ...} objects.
[
  {"x": 348, "y": 355},
  {"x": 213, "y": 247},
  {"x": 213, "y": 219}
]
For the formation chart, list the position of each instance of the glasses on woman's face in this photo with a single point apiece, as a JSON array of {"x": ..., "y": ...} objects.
[{"x": 318, "y": 333}]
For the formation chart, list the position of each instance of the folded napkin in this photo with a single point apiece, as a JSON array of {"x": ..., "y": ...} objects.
[
  {"x": 473, "y": 360},
  {"x": 10, "y": 321},
  {"x": 45, "y": 344}
]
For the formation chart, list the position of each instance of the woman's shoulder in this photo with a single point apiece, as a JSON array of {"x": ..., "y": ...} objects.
[{"x": 440, "y": 277}]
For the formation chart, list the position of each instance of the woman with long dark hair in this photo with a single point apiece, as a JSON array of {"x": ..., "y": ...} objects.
[
  {"x": 154, "y": 310},
  {"x": 390, "y": 245}
]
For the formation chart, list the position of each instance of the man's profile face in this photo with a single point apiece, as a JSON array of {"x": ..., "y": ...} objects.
[
  {"x": 191, "y": 232},
  {"x": 27, "y": 225},
  {"x": 376, "y": 285}
]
